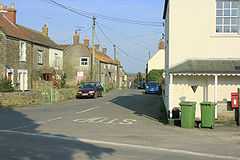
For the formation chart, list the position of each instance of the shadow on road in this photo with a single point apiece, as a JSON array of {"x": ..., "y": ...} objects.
[
  {"x": 17, "y": 144},
  {"x": 150, "y": 106}
]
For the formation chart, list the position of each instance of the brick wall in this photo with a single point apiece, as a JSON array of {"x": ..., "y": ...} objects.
[{"x": 2, "y": 53}]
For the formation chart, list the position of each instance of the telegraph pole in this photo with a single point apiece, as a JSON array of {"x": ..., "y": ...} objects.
[
  {"x": 93, "y": 57},
  {"x": 118, "y": 66}
]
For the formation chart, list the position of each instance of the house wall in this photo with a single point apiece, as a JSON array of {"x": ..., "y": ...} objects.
[
  {"x": 45, "y": 64},
  {"x": 190, "y": 29},
  {"x": 181, "y": 89},
  {"x": 12, "y": 53},
  {"x": 71, "y": 65},
  {"x": 157, "y": 61},
  {"x": 2, "y": 53},
  {"x": 52, "y": 58}
]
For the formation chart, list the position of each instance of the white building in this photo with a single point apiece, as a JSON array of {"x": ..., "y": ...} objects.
[
  {"x": 202, "y": 51},
  {"x": 157, "y": 61}
]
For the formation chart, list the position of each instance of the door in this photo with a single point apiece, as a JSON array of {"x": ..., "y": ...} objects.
[{"x": 23, "y": 80}]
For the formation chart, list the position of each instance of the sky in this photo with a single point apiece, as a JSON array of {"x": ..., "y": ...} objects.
[{"x": 136, "y": 40}]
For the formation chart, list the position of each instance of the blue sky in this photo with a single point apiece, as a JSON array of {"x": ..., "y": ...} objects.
[{"x": 134, "y": 39}]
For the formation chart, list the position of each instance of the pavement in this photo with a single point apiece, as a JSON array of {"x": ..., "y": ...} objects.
[{"x": 123, "y": 125}]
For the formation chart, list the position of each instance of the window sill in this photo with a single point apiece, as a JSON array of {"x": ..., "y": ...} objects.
[{"x": 226, "y": 35}]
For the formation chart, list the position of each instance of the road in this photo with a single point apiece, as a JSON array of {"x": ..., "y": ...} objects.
[{"x": 123, "y": 125}]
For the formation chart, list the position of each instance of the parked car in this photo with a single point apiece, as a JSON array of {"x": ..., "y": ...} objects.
[
  {"x": 152, "y": 88},
  {"x": 90, "y": 89},
  {"x": 141, "y": 85}
]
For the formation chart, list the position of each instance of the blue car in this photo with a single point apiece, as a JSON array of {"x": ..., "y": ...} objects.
[{"x": 152, "y": 88}]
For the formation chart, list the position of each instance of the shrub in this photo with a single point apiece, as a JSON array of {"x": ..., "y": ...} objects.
[
  {"x": 155, "y": 75},
  {"x": 6, "y": 86}
]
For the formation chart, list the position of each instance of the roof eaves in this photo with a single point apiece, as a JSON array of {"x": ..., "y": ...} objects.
[{"x": 165, "y": 9}]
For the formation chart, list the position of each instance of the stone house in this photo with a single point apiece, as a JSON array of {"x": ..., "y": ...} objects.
[
  {"x": 24, "y": 52},
  {"x": 77, "y": 63},
  {"x": 202, "y": 54}
]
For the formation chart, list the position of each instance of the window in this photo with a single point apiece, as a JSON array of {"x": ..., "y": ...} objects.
[
  {"x": 84, "y": 61},
  {"x": 22, "y": 51},
  {"x": 57, "y": 61},
  {"x": 227, "y": 16},
  {"x": 40, "y": 57}
]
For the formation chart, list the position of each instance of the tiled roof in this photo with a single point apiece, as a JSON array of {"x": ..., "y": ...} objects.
[
  {"x": 104, "y": 58},
  {"x": 23, "y": 33},
  {"x": 208, "y": 66}
]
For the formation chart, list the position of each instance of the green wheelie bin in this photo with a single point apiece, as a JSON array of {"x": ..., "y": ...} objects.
[
  {"x": 188, "y": 110},
  {"x": 207, "y": 114}
]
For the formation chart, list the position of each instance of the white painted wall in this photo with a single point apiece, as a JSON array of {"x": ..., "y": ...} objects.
[
  {"x": 157, "y": 61},
  {"x": 181, "y": 89},
  {"x": 53, "y": 54},
  {"x": 190, "y": 29}
]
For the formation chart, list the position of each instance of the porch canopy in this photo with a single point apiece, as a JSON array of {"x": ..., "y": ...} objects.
[{"x": 209, "y": 67}]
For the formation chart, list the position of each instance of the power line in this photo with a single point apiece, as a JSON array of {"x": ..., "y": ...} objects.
[
  {"x": 112, "y": 43},
  {"x": 89, "y": 15}
]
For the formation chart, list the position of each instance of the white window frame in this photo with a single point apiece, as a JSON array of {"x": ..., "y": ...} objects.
[
  {"x": 22, "y": 51},
  {"x": 223, "y": 17},
  {"x": 40, "y": 57},
  {"x": 56, "y": 61},
  {"x": 81, "y": 60}
]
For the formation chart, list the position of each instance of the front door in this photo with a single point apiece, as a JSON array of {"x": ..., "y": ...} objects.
[{"x": 23, "y": 80}]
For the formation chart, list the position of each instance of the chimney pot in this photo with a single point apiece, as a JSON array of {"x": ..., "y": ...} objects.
[
  {"x": 86, "y": 41},
  {"x": 45, "y": 30},
  {"x": 104, "y": 50},
  {"x": 76, "y": 38},
  {"x": 161, "y": 44},
  {"x": 97, "y": 47},
  {"x": 10, "y": 12}
]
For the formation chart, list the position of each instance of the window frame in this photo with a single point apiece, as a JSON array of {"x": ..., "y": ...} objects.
[
  {"x": 40, "y": 54},
  {"x": 22, "y": 51},
  {"x": 87, "y": 62},
  {"x": 223, "y": 17}
]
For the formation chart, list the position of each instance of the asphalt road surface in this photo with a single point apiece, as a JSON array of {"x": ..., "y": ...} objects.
[{"x": 123, "y": 125}]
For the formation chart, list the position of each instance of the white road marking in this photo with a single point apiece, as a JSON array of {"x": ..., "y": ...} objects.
[
  {"x": 87, "y": 110},
  {"x": 54, "y": 119},
  {"x": 105, "y": 120},
  {"x": 124, "y": 145}
]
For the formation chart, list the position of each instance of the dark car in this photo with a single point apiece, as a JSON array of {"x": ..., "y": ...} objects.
[
  {"x": 141, "y": 85},
  {"x": 152, "y": 88},
  {"x": 90, "y": 89}
]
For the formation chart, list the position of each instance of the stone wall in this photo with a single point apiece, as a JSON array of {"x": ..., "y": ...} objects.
[
  {"x": 19, "y": 99},
  {"x": 47, "y": 96}
]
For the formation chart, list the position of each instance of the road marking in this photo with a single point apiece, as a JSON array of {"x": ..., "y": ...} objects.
[
  {"x": 105, "y": 120},
  {"x": 87, "y": 110},
  {"x": 54, "y": 119},
  {"x": 125, "y": 145}
]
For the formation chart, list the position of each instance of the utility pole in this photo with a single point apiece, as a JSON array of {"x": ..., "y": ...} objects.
[
  {"x": 93, "y": 57},
  {"x": 118, "y": 66}
]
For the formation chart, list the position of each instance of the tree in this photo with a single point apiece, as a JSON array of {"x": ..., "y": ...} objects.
[{"x": 155, "y": 75}]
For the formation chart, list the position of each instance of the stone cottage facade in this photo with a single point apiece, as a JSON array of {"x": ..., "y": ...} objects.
[
  {"x": 24, "y": 52},
  {"x": 77, "y": 63}
]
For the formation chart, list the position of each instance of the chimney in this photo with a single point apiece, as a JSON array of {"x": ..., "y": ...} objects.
[
  {"x": 45, "y": 30},
  {"x": 86, "y": 42},
  {"x": 161, "y": 44},
  {"x": 97, "y": 47},
  {"x": 10, "y": 12},
  {"x": 104, "y": 50},
  {"x": 76, "y": 38}
]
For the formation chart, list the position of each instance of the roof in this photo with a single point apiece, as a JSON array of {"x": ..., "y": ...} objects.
[
  {"x": 165, "y": 9},
  {"x": 104, "y": 58},
  {"x": 24, "y": 33},
  {"x": 207, "y": 66}
]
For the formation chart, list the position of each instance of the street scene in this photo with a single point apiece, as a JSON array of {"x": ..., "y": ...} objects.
[
  {"x": 119, "y": 80},
  {"x": 121, "y": 125}
]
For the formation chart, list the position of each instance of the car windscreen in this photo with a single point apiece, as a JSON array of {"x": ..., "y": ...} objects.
[
  {"x": 87, "y": 85},
  {"x": 152, "y": 84}
]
